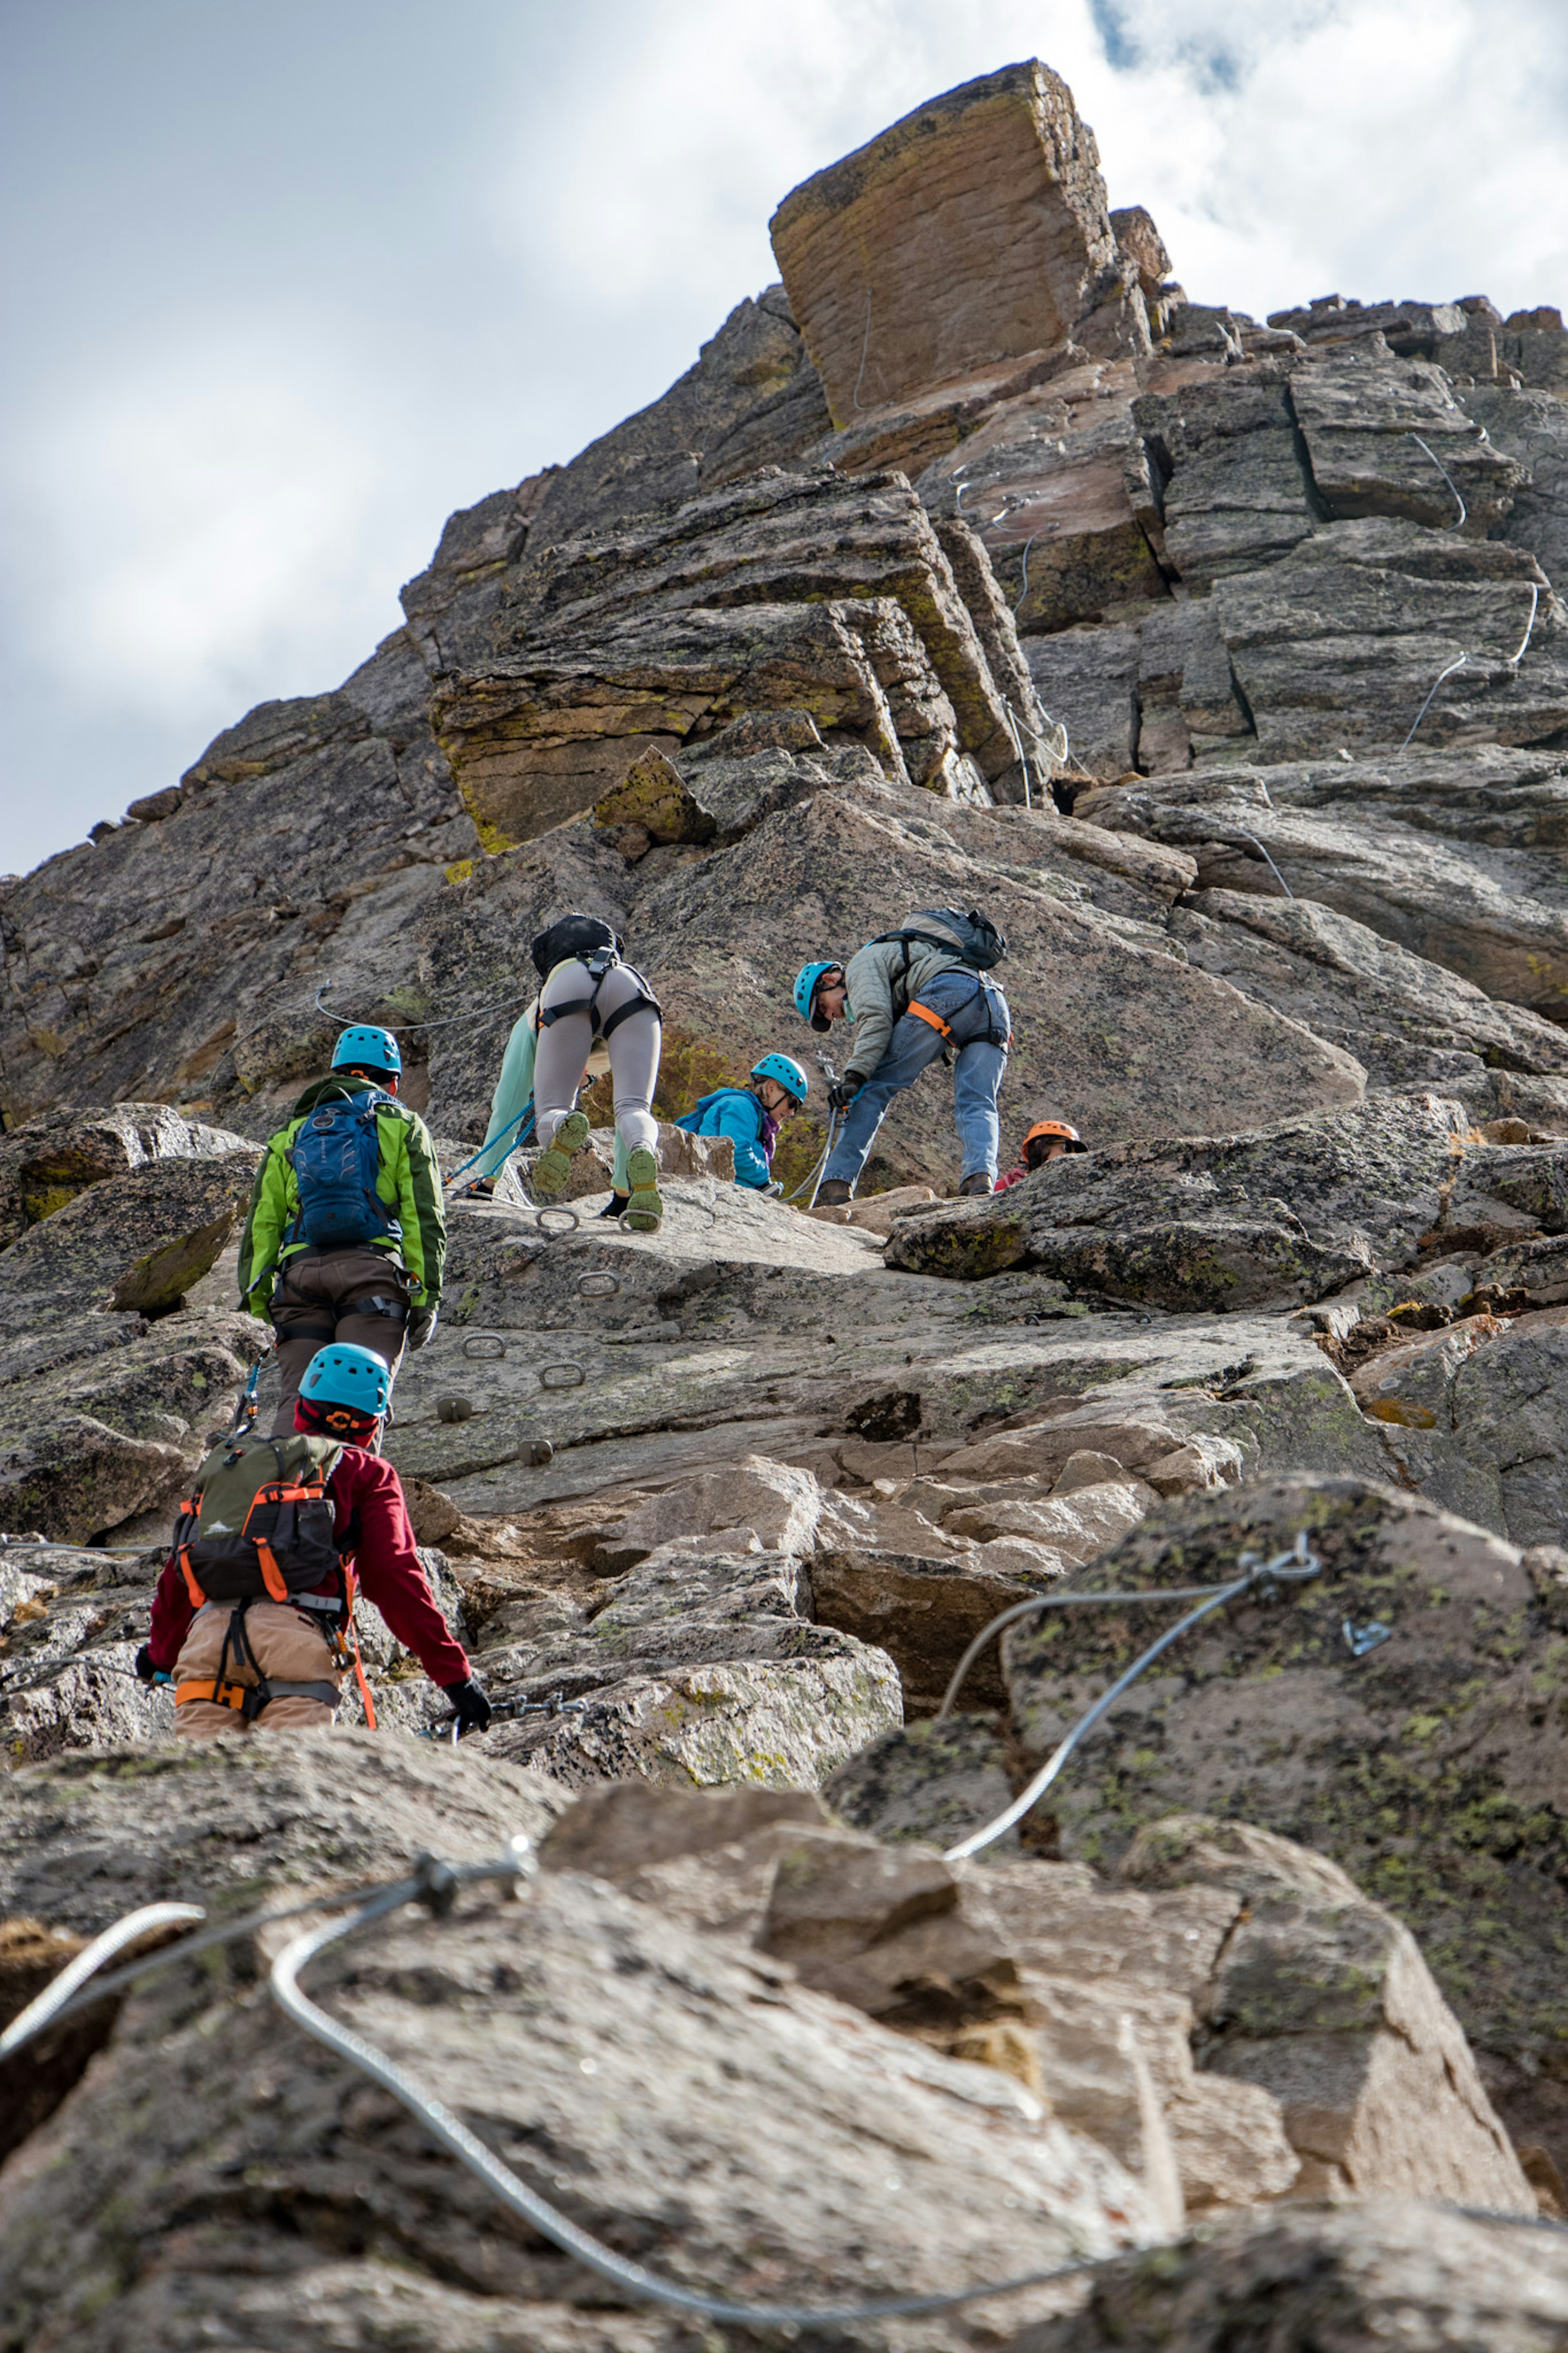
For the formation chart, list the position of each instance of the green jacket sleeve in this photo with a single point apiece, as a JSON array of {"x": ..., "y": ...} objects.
[
  {"x": 868, "y": 979},
  {"x": 264, "y": 1223},
  {"x": 409, "y": 1157}
]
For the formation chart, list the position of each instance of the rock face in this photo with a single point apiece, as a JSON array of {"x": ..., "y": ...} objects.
[
  {"x": 993, "y": 189},
  {"x": 730, "y": 1972},
  {"x": 1224, "y": 665}
]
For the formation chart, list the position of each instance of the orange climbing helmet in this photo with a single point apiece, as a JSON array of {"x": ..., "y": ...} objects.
[{"x": 1045, "y": 1132}]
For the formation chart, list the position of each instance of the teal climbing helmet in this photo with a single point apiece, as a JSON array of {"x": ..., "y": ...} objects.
[
  {"x": 357, "y": 1377},
  {"x": 805, "y": 984},
  {"x": 366, "y": 1049},
  {"x": 785, "y": 1073}
]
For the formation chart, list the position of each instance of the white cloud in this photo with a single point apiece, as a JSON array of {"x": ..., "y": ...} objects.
[{"x": 197, "y": 508}]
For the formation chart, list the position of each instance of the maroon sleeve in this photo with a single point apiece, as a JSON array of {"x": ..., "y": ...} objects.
[
  {"x": 368, "y": 1491},
  {"x": 171, "y": 1615},
  {"x": 1012, "y": 1177}
]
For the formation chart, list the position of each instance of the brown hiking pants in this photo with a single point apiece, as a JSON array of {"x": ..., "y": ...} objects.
[
  {"x": 289, "y": 1646},
  {"x": 358, "y": 1296}
]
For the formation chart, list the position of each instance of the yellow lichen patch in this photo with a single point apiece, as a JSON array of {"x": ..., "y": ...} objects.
[{"x": 460, "y": 870}]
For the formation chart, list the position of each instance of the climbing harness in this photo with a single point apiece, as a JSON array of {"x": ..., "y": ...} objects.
[
  {"x": 598, "y": 964},
  {"x": 249, "y": 1700},
  {"x": 1295, "y": 1564},
  {"x": 944, "y": 1028}
]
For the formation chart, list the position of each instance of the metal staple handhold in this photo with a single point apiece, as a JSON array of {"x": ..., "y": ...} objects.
[
  {"x": 564, "y": 1364},
  {"x": 557, "y": 1209},
  {"x": 495, "y": 1345},
  {"x": 598, "y": 1286}
]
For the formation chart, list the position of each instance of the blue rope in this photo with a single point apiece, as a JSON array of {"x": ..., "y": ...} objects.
[{"x": 522, "y": 1137}]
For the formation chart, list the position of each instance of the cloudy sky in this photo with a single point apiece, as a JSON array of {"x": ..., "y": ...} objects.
[{"x": 288, "y": 280}]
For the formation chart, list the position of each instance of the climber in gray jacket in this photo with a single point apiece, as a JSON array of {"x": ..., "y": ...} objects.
[{"x": 914, "y": 993}]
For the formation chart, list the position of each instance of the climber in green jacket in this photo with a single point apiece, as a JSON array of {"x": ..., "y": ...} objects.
[{"x": 345, "y": 1237}]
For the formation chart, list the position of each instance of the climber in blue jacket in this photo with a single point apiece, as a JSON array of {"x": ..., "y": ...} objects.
[{"x": 752, "y": 1116}]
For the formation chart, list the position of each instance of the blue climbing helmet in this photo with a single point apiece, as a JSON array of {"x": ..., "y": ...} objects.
[
  {"x": 356, "y": 1378},
  {"x": 786, "y": 1073},
  {"x": 366, "y": 1049},
  {"x": 805, "y": 981}
]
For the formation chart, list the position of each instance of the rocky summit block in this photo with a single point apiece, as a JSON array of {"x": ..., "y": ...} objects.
[
  {"x": 974, "y": 230},
  {"x": 1402, "y": 1713}
]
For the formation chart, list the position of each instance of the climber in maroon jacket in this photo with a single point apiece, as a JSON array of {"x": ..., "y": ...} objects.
[{"x": 298, "y": 1642}]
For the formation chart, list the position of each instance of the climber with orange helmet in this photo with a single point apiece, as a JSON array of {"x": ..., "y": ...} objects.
[{"x": 1049, "y": 1139}]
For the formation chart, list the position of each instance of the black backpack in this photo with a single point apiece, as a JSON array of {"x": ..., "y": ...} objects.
[
  {"x": 573, "y": 935},
  {"x": 971, "y": 939},
  {"x": 259, "y": 1524}
]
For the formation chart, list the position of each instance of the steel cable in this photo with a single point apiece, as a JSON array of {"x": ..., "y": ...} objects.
[
  {"x": 1458, "y": 502},
  {"x": 1427, "y": 706},
  {"x": 1060, "y": 1601},
  {"x": 513, "y": 2193},
  {"x": 434, "y": 1883},
  {"x": 1296, "y": 1564},
  {"x": 55, "y": 2000}
]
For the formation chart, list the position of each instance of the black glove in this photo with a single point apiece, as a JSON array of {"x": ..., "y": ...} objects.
[
  {"x": 473, "y": 1709},
  {"x": 421, "y": 1324},
  {"x": 842, "y": 1093},
  {"x": 146, "y": 1672}
]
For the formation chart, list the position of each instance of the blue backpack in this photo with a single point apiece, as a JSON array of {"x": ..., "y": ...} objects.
[{"x": 336, "y": 1159}]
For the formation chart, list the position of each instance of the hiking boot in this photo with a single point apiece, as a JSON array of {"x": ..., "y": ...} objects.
[
  {"x": 832, "y": 1193},
  {"x": 645, "y": 1210},
  {"x": 547, "y": 1180},
  {"x": 978, "y": 1183},
  {"x": 617, "y": 1206}
]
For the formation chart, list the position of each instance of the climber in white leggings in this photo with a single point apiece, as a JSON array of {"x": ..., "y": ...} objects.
[{"x": 590, "y": 996}]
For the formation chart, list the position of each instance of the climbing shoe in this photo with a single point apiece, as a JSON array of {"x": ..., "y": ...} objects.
[
  {"x": 645, "y": 1210},
  {"x": 832, "y": 1193},
  {"x": 978, "y": 1183},
  {"x": 547, "y": 1180}
]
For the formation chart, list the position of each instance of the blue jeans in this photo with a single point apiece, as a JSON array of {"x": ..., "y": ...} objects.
[{"x": 976, "y": 1011}]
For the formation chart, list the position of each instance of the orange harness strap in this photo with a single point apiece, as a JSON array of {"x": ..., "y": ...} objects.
[
  {"x": 350, "y": 1595},
  {"x": 272, "y": 1576},
  {"x": 924, "y": 1013},
  {"x": 222, "y": 1694}
]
